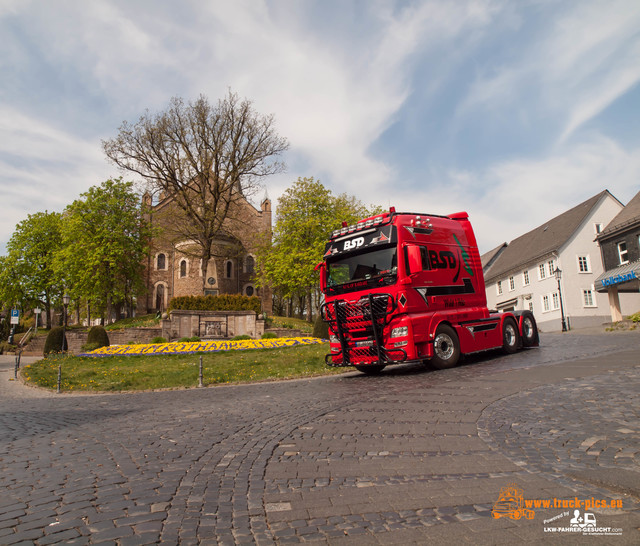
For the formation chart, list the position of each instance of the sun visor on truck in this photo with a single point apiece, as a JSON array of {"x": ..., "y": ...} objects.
[{"x": 360, "y": 240}]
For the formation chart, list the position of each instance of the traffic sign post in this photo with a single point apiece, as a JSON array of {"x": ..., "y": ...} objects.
[{"x": 37, "y": 312}]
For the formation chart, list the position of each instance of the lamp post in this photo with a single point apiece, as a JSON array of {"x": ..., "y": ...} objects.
[
  {"x": 558, "y": 274},
  {"x": 65, "y": 302}
]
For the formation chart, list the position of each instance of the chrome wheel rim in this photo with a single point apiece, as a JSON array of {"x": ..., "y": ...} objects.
[
  {"x": 510, "y": 335},
  {"x": 527, "y": 328},
  {"x": 443, "y": 346}
]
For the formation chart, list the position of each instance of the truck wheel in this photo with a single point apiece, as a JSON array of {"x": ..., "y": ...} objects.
[
  {"x": 529, "y": 331},
  {"x": 446, "y": 348},
  {"x": 510, "y": 336},
  {"x": 373, "y": 369}
]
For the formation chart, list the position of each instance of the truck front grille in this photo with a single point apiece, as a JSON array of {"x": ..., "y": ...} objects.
[{"x": 359, "y": 327}]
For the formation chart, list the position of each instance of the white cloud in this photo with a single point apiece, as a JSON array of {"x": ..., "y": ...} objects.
[
  {"x": 578, "y": 64},
  {"x": 43, "y": 168},
  {"x": 518, "y": 195}
]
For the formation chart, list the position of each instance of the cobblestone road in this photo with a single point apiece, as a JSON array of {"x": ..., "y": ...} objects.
[{"x": 408, "y": 457}]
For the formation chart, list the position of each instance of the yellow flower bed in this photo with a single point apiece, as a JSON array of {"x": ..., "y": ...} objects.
[{"x": 202, "y": 346}]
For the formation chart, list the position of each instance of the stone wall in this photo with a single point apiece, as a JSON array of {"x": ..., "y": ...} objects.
[
  {"x": 212, "y": 324},
  {"x": 77, "y": 338}
]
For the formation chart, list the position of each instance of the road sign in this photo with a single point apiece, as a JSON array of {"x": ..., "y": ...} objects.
[{"x": 15, "y": 316}]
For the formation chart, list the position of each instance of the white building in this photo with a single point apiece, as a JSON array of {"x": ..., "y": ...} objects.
[{"x": 522, "y": 274}]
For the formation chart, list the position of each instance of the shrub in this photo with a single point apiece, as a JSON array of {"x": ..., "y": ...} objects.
[
  {"x": 53, "y": 343},
  {"x": 320, "y": 328},
  {"x": 241, "y": 338},
  {"x": 269, "y": 335},
  {"x": 98, "y": 335},
  {"x": 6, "y": 347},
  {"x": 88, "y": 347},
  {"x": 224, "y": 302},
  {"x": 635, "y": 317},
  {"x": 159, "y": 339},
  {"x": 188, "y": 339}
]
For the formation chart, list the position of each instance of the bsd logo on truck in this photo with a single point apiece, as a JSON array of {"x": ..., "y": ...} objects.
[{"x": 353, "y": 243}]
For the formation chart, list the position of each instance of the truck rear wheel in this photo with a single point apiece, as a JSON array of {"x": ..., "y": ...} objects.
[
  {"x": 510, "y": 336},
  {"x": 373, "y": 369},
  {"x": 446, "y": 348},
  {"x": 529, "y": 331}
]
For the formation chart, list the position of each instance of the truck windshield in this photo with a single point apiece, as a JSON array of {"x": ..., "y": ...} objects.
[{"x": 362, "y": 266}]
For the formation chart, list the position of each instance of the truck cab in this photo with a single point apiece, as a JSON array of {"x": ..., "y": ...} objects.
[{"x": 402, "y": 287}]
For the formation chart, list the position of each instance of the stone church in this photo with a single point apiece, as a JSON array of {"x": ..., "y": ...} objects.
[{"x": 174, "y": 269}]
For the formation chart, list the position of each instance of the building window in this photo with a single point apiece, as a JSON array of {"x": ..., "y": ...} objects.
[
  {"x": 531, "y": 306},
  {"x": 588, "y": 299},
  {"x": 249, "y": 264},
  {"x": 583, "y": 264},
  {"x": 542, "y": 272},
  {"x": 552, "y": 267},
  {"x": 162, "y": 262},
  {"x": 499, "y": 287},
  {"x": 525, "y": 278},
  {"x": 623, "y": 255},
  {"x": 183, "y": 268},
  {"x": 512, "y": 284},
  {"x": 228, "y": 269},
  {"x": 556, "y": 300},
  {"x": 598, "y": 228},
  {"x": 545, "y": 303}
]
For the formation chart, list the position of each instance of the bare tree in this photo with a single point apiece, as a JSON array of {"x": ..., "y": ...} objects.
[{"x": 205, "y": 158}]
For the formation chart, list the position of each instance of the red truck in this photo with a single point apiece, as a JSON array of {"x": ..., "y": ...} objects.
[{"x": 402, "y": 287}]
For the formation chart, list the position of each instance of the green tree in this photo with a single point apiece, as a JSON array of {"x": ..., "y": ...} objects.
[
  {"x": 104, "y": 241},
  {"x": 306, "y": 215},
  {"x": 28, "y": 277},
  {"x": 206, "y": 158}
]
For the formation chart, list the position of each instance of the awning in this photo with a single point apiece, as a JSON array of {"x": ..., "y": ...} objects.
[
  {"x": 625, "y": 278},
  {"x": 507, "y": 303}
]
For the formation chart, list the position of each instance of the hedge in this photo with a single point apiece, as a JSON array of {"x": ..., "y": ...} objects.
[{"x": 224, "y": 302}]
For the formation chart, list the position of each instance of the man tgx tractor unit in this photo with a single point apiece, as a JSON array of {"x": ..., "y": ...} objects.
[{"x": 402, "y": 287}]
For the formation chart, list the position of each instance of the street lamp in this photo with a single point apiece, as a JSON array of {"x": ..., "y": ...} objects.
[
  {"x": 558, "y": 274},
  {"x": 65, "y": 301}
]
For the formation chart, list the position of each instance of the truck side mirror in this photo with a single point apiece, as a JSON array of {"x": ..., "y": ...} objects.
[
  {"x": 414, "y": 258},
  {"x": 323, "y": 281}
]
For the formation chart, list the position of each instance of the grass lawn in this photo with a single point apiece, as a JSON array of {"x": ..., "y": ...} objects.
[{"x": 144, "y": 372}]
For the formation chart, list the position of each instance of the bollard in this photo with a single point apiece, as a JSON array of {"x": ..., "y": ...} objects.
[
  {"x": 59, "y": 377},
  {"x": 200, "y": 384},
  {"x": 15, "y": 371}
]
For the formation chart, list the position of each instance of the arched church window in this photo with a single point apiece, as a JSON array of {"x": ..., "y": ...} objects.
[
  {"x": 162, "y": 261},
  {"x": 183, "y": 268},
  {"x": 250, "y": 264}
]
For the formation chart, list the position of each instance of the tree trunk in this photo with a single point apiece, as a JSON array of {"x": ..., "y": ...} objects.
[{"x": 309, "y": 305}]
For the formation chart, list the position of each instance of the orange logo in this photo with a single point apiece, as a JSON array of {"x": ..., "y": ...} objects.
[{"x": 510, "y": 504}]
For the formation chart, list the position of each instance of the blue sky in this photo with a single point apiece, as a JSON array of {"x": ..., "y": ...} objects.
[{"x": 512, "y": 110}]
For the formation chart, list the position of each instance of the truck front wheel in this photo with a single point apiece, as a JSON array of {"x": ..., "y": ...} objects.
[{"x": 446, "y": 348}]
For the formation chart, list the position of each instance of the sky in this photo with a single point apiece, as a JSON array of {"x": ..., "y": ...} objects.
[{"x": 514, "y": 111}]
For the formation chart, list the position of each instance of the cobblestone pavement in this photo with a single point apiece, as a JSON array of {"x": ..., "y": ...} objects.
[{"x": 412, "y": 456}]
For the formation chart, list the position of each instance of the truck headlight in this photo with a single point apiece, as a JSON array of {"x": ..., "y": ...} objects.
[
  {"x": 401, "y": 331},
  {"x": 333, "y": 339}
]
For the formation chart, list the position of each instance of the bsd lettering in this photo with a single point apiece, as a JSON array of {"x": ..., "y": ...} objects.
[
  {"x": 442, "y": 260},
  {"x": 353, "y": 243}
]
